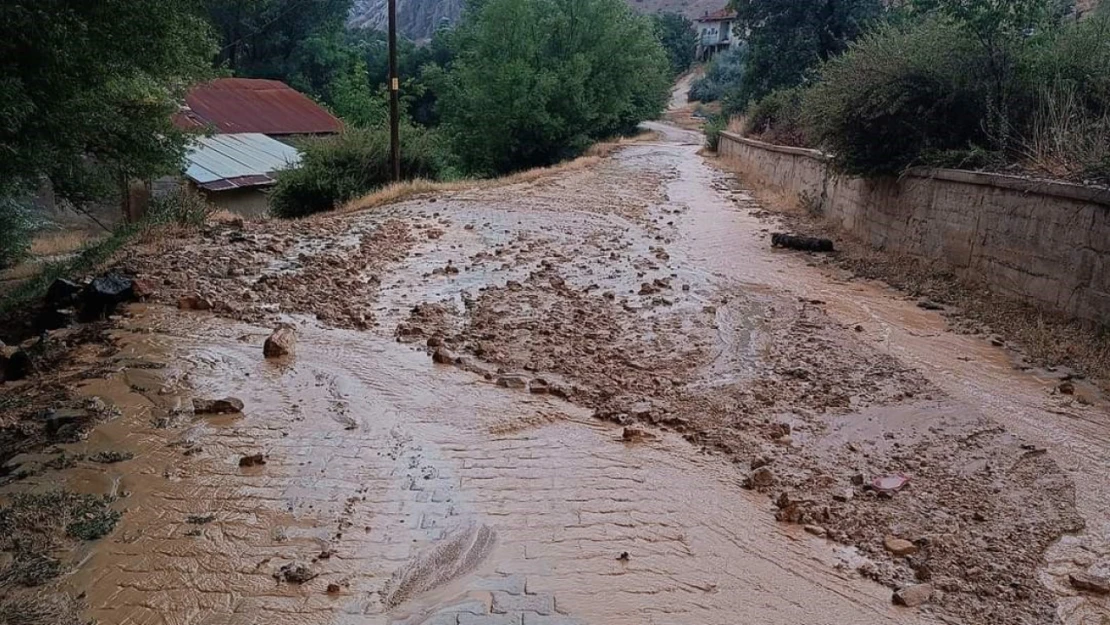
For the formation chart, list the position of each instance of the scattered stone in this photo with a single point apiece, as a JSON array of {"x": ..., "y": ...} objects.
[
  {"x": 1066, "y": 388},
  {"x": 816, "y": 530},
  {"x": 294, "y": 573},
  {"x": 632, "y": 434},
  {"x": 929, "y": 305},
  {"x": 858, "y": 479},
  {"x": 624, "y": 556},
  {"x": 333, "y": 588},
  {"x": 67, "y": 420},
  {"x": 101, "y": 297},
  {"x": 18, "y": 366},
  {"x": 194, "y": 302},
  {"x": 913, "y": 596},
  {"x": 759, "y": 462},
  {"x": 512, "y": 381},
  {"x": 648, "y": 288},
  {"x": 997, "y": 341},
  {"x": 760, "y": 478},
  {"x": 200, "y": 519},
  {"x": 890, "y": 483},
  {"x": 443, "y": 356},
  {"x": 845, "y": 495},
  {"x": 62, "y": 293},
  {"x": 805, "y": 244},
  {"x": 253, "y": 460},
  {"x": 1090, "y": 583},
  {"x": 539, "y": 386},
  {"x": 899, "y": 546},
  {"x": 283, "y": 342},
  {"x": 227, "y": 405}
]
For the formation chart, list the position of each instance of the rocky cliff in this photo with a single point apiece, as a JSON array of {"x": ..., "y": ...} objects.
[{"x": 418, "y": 19}]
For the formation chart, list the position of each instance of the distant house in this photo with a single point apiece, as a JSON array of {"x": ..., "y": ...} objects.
[
  {"x": 715, "y": 33},
  {"x": 246, "y": 105},
  {"x": 250, "y": 126},
  {"x": 232, "y": 171}
]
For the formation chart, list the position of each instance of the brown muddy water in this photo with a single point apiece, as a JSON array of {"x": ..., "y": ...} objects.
[
  {"x": 423, "y": 493},
  {"x": 377, "y": 458}
]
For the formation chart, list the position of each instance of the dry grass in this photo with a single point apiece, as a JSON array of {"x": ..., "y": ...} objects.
[
  {"x": 1046, "y": 338},
  {"x": 64, "y": 242},
  {"x": 413, "y": 189}
]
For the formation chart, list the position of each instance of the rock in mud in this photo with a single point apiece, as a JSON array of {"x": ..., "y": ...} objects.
[
  {"x": 1066, "y": 388},
  {"x": 227, "y": 405},
  {"x": 805, "y": 244},
  {"x": 1090, "y": 583},
  {"x": 443, "y": 356},
  {"x": 101, "y": 297},
  {"x": 194, "y": 302},
  {"x": 17, "y": 366},
  {"x": 539, "y": 386},
  {"x": 760, "y": 478},
  {"x": 294, "y": 573},
  {"x": 253, "y": 460},
  {"x": 512, "y": 381},
  {"x": 913, "y": 596},
  {"x": 899, "y": 546},
  {"x": 64, "y": 422},
  {"x": 283, "y": 342}
]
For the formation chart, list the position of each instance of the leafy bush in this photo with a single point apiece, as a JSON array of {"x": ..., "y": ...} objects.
[
  {"x": 535, "y": 81},
  {"x": 714, "y": 126},
  {"x": 724, "y": 75},
  {"x": 17, "y": 227},
  {"x": 335, "y": 170},
  {"x": 777, "y": 118},
  {"x": 900, "y": 93}
]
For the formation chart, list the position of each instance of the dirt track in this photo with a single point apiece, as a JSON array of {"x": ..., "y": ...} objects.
[{"x": 683, "y": 386}]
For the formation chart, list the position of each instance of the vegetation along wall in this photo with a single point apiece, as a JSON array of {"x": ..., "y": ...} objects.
[{"x": 1046, "y": 242}]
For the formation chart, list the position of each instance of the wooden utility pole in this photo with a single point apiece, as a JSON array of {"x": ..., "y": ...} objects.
[{"x": 394, "y": 96}]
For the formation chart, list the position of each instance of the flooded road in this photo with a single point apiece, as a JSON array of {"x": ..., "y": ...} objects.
[{"x": 484, "y": 488}]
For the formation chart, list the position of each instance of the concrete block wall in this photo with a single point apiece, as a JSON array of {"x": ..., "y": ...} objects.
[{"x": 1045, "y": 242}]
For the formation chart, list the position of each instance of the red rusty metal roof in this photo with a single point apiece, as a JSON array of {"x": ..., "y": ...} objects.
[
  {"x": 241, "y": 105},
  {"x": 718, "y": 16}
]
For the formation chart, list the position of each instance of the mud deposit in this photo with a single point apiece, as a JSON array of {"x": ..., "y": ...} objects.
[{"x": 600, "y": 397}]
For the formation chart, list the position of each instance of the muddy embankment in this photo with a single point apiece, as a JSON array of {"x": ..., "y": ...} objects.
[{"x": 432, "y": 451}]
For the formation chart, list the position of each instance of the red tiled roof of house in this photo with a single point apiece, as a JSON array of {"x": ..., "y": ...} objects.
[
  {"x": 242, "y": 105},
  {"x": 718, "y": 16}
]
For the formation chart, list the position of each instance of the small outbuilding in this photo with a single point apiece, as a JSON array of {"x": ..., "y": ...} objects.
[{"x": 234, "y": 171}]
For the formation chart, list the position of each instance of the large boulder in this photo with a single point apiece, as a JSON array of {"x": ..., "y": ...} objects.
[
  {"x": 283, "y": 342},
  {"x": 101, "y": 297}
]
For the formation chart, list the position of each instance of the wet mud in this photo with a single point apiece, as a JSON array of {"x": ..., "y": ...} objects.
[{"x": 597, "y": 397}]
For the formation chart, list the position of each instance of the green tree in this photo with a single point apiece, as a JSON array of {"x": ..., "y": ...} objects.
[
  {"x": 536, "y": 81},
  {"x": 679, "y": 39},
  {"x": 87, "y": 91},
  {"x": 789, "y": 38}
]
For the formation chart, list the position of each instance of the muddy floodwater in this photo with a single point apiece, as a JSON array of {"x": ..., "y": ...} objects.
[{"x": 598, "y": 398}]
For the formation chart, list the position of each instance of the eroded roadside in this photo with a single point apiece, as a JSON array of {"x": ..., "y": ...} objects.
[{"x": 431, "y": 452}]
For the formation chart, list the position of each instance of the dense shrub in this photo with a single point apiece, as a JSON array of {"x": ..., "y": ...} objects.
[
  {"x": 901, "y": 95},
  {"x": 536, "y": 81},
  {"x": 723, "y": 75},
  {"x": 777, "y": 118},
  {"x": 17, "y": 226},
  {"x": 714, "y": 126},
  {"x": 335, "y": 170}
]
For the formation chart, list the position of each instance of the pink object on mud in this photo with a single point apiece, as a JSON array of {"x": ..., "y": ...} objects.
[{"x": 890, "y": 483}]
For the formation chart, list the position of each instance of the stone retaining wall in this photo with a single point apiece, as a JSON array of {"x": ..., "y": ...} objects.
[{"x": 1046, "y": 242}]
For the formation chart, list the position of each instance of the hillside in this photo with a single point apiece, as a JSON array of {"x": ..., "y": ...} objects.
[{"x": 418, "y": 19}]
